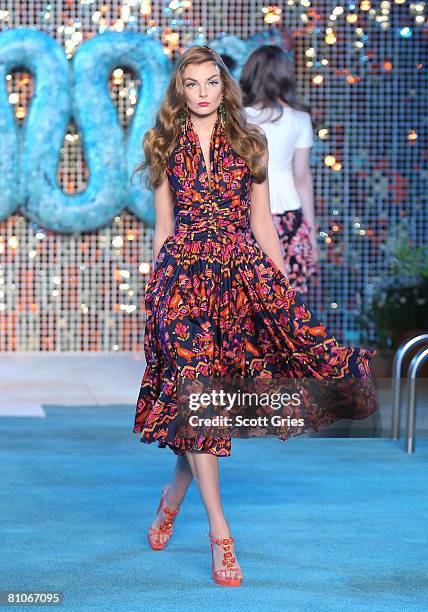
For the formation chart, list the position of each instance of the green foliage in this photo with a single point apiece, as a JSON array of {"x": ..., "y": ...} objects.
[
  {"x": 401, "y": 300},
  {"x": 406, "y": 260}
]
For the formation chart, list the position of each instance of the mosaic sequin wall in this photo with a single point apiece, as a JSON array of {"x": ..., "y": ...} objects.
[{"x": 360, "y": 67}]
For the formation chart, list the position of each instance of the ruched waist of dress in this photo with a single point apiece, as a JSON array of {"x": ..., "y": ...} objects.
[{"x": 210, "y": 227}]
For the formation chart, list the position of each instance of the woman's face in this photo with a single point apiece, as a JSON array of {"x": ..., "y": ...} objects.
[{"x": 202, "y": 83}]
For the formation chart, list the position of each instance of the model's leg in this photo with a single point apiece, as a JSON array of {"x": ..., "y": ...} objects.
[
  {"x": 205, "y": 472},
  {"x": 181, "y": 480}
]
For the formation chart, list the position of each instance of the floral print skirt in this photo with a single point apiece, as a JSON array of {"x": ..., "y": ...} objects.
[{"x": 294, "y": 235}]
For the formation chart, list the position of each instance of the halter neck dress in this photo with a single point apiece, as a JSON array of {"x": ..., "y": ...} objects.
[{"x": 217, "y": 305}]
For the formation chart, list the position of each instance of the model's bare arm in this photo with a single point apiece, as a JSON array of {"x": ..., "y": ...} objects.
[
  {"x": 261, "y": 221},
  {"x": 304, "y": 184},
  {"x": 304, "y": 187},
  {"x": 164, "y": 224}
]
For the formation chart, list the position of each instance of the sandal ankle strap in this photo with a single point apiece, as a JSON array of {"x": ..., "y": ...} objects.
[
  {"x": 221, "y": 541},
  {"x": 170, "y": 513}
]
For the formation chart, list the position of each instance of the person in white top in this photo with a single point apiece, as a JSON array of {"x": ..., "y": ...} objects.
[{"x": 270, "y": 101}]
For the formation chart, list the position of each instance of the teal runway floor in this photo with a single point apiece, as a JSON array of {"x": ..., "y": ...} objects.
[{"x": 320, "y": 523}]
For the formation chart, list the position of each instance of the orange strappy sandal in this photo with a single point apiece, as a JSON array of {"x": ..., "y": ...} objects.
[
  {"x": 166, "y": 526},
  {"x": 228, "y": 561}
]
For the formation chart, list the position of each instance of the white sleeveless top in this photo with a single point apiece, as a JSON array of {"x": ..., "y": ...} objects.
[{"x": 292, "y": 131}]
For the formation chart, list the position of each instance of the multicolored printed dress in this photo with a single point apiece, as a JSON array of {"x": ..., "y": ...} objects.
[{"x": 217, "y": 305}]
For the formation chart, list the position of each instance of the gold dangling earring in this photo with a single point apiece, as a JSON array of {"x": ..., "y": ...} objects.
[
  {"x": 222, "y": 110},
  {"x": 184, "y": 114}
]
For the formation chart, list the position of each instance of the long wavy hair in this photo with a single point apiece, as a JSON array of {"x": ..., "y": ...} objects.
[
  {"x": 159, "y": 141},
  {"x": 266, "y": 78}
]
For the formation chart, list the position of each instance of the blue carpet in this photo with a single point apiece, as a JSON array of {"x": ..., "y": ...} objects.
[{"x": 320, "y": 523}]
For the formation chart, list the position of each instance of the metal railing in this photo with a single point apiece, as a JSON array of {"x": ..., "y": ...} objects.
[{"x": 416, "y": 363}]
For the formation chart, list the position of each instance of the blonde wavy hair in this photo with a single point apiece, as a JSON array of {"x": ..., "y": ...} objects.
[{"x": 246, "y": 140}]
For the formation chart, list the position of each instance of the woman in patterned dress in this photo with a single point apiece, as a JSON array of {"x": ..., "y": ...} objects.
[
  {"x": 269, "y": 95},
  {"x": 217, "y": 305}
]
